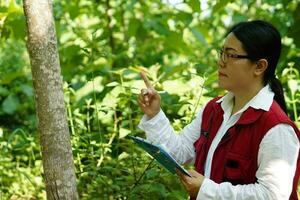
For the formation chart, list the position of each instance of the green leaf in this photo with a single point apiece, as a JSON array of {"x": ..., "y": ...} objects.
[
  {"x": 185, "y": 17},
  {"x": 133, "y": 26},
  {"x": 159, "y": 189},
  {"x": 293, "y": 85},
  {"x": 112, "y": 84},
  {"x": 14, "y": 7},
  {"x": 3, "y": 91},
  {"x": 176, "y": 86},
  {"x": 10, "y": 104},
  {"x": 111, "y": 98},
  {"x": 72, "y": 51},
  {"x": 3, "y": 11},
  {"x": 176, "y": 195},
  {"x": 15, "y": 24},
  {"x": 123, "y": 132},
  {"x": 9, "y": 77},
  {"x": 175, "y": 42},
  {"x": 26, "y": 89},
  {"x": 197, "y": 33},
  {"x": 151, "y": 173},
  {"x": 195, "y": 5},
  {"x": 123, "y": 155},
  {"x": 73, "y": 9},
  {"x": 89, "y": 87},
  {"x": 159, "y": 25},
  {"x": 220, "y": 5},
  {"x": 141, "y": 33}
]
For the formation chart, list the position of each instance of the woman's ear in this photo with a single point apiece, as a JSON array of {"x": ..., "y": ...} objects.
[{"x": 261, "y": 67}]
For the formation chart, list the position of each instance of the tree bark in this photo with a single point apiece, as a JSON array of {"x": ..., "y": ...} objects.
[{"x": 53, "y": 128}]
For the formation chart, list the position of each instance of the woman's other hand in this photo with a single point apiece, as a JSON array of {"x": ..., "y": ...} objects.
[{"x": 191, "y": 184}]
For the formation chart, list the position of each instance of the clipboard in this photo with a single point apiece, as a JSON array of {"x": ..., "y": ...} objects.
[{"x": 160, "y": 154}]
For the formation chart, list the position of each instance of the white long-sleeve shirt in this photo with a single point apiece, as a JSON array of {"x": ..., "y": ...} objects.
[{"x": 277, "y": 156}]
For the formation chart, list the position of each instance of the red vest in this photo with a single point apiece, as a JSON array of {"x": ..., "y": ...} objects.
[{"x": 235, "y": 158}]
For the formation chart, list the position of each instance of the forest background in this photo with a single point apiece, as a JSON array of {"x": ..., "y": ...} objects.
[{"x": 103, "y": 44}]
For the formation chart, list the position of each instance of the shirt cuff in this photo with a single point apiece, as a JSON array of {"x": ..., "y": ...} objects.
[
  {"x": 153, "y": 126},
  {"x": 208, "y": 190}
]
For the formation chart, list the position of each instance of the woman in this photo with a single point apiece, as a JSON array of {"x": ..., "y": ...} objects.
[{"x": 243, "y": 145}]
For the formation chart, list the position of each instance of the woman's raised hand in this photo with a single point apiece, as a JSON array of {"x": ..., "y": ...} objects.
[{"x": 149, "y": 99}]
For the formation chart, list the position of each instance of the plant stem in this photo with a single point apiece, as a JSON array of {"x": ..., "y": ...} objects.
[
  {"x": 140, "y": 178},
  {"x": 197, "y": 103}
]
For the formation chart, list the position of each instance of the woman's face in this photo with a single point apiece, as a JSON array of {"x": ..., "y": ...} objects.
[{"x": 236, "y": 74}]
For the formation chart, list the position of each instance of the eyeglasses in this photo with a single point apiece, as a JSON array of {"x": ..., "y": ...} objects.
[{"x": 225, "y": 56}]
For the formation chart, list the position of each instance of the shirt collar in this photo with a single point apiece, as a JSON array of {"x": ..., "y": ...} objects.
[{"x": 262, "y": 100}]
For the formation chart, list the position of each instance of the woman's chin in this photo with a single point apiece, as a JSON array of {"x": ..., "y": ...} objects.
[{"x": 223, "y": 85}]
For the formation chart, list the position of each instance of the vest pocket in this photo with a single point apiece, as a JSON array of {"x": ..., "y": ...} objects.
[{"x": 236, "y": 169}]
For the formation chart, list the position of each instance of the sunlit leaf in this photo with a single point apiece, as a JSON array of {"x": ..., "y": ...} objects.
[
  {"x": 112, "y": 84},
  {"x": 94, "y": 85},
  {"x": 123, "y": 132},
  {"x": 123, "y": 155},
  {"x": 177, "y": 87},
  {"x": 293, "y": 85}
]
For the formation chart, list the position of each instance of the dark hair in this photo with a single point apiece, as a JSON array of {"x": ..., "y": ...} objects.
[{"x": 260, "y": 40}]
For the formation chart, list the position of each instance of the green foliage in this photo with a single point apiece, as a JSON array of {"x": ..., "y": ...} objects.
[
  {"x": 20, "y": 165},
  {"x": 102, "y": 46},
  {"x": 13, "y": 20},
  {"x": 16, "y": 94}
]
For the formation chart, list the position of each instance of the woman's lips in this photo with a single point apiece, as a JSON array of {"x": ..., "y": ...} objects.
[{"x": 221, "y": 74}]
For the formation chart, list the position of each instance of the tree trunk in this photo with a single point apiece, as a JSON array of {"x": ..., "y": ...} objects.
[{"x": 53, "y": 129}]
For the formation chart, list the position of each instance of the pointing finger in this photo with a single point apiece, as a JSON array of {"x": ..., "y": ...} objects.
[
  {"x": 145, "y": 94},
  {"x": 146, "y": 80}
]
